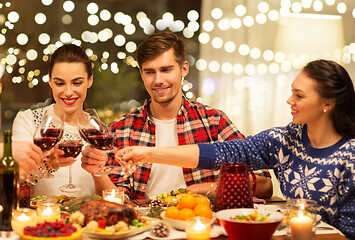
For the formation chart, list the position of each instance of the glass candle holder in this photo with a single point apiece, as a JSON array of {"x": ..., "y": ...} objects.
[
  {"x": 113, "y": 195},
  {"x": 47, "y": 211},
  {"x": 22, "y": 218},
  {"x": 301, "y": 219},
  {"x": 198, "y": 228}
]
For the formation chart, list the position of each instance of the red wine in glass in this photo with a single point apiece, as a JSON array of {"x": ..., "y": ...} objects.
[
  {"x": 45, "y": 143},
  {"x": 52, "y": 132},
  {"x": 101, "y": 142},
  {"x": 71, "y": 148},
  {"x": 86, "y": 132},
  {"x": 49, "y": 138}
]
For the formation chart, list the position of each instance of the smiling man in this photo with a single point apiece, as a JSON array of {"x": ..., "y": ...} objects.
[{"x": 167, "y": 118}]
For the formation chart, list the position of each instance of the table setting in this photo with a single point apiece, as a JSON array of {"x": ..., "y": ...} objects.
[
  {"x": 217, "y": 231},
  {"x": 231, "y": 212}
]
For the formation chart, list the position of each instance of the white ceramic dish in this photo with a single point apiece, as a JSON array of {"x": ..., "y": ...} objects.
[
  {"x": 180, "y": 224},
  {"x": 120, "y": 235}
]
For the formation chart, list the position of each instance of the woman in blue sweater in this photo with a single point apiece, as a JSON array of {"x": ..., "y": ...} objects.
[{"x": 314, "y": 156}]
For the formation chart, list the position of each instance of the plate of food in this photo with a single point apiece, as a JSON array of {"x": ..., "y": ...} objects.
[
  {"x": 54, "y": 199},
  {"x": 170, "y": 198},
  {"x": 108, "y": 220},
  {"x": 109, "y": 234}
]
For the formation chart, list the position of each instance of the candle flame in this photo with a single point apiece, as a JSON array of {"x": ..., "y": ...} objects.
[
  {"x": 48, "y": 211},
  {"x": 23, "y": 217},
  {"x": 300, "y": 213},
  {"x": 199, "y": 226},
  {"x": 112, "y": 193}
]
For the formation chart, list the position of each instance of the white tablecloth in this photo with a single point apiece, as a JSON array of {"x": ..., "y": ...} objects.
[{"x": 322, "y": 228}]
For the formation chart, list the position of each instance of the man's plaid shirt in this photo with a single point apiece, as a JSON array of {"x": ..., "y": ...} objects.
[{"x": 196, "y": 123}]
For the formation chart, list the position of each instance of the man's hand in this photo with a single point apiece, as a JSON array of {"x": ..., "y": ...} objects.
[{"x": 93, "y": 159}]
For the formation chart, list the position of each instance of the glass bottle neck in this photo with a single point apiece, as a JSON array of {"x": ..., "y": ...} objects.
[{"x": 7, "y": 143}]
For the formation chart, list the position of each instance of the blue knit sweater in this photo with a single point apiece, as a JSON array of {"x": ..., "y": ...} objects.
[{"x": 325, "y": 175}]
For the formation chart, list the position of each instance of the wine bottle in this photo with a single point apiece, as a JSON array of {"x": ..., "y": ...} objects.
[{"x": 9, "y": 183}]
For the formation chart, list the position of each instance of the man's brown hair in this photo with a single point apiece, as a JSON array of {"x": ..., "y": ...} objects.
[{"x": 158, "y": 43}]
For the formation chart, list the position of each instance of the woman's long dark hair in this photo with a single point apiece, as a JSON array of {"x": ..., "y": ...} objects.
[
  {"x": 70, "y": 53},
  {"x": 334, "y": 82}
]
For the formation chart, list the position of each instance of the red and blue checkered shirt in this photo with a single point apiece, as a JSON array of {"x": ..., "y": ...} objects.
[{"x": 196, "y": 123}]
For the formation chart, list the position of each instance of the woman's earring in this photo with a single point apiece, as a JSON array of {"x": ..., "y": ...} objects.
[{"x": 324, "y": 110}]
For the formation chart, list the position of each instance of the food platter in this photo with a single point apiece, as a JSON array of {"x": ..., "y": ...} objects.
[
  {"x": 54, "y": 199},
  {"x": 119, "y": 235},
  {"x": 67, "y": 204},
  {"x": 173, "y": 194}
]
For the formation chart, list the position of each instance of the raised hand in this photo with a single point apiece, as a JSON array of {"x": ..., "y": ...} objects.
[
  {"x": 28, "y": 155},
  {"x": 134, "y": 155},
  {"x": 93, "y": 159}
]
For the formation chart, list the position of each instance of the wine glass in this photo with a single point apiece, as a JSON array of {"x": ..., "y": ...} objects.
[
  {"x": 96, "y": 133},
  {"x": 72, "y": 148},
  {"x": 46, "y": 136},
  {"x": 129, "y": 167}
]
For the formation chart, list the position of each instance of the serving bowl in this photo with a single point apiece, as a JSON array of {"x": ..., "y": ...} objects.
[
  {"x": 180, "y": 224},
  {"x": 253, "y": 230}
]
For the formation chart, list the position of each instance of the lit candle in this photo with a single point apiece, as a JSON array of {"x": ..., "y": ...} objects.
[
  {"x": 49, "y": 212},
  {"x": 22, "y": 218},
  {"x": 301, "y": 227},
  {"x": 198, "y": 228},
  {"x": 113, "y": 196}
]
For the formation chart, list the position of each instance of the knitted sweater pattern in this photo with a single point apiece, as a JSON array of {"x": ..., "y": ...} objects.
[{"x": 325, "y": 175}]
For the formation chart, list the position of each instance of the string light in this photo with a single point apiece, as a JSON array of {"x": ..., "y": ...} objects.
[
  {"x": 243, "y": 17},
  {"x": 286, "y": 6}
]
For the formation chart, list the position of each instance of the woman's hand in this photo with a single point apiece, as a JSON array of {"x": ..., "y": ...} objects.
[
  {"x": 28, "y": 155},
  {"x": 93, "y": 159},
  {"x": 135, "y": 154}
]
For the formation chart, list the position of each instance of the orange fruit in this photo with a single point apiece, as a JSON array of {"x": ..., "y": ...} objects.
[
  {"x": 187, "y": 201},
  {"x": 203, "y": 210},
  {"x": 202, "y": 199},
  {"x": 186, "y": 213},
  {"x": 169, "y": 199},
  {"x": 172, "y": 212}
]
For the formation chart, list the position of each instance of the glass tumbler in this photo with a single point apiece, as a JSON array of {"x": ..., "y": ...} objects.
[{"x": 301, "y": 219}]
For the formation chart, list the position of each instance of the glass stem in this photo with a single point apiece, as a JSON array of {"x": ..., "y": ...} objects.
[{"x": 70, "y": 175}]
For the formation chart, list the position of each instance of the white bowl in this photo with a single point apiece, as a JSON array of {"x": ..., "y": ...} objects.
[{"x": 180, "y": 224}]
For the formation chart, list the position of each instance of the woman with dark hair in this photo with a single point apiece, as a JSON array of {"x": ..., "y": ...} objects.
[
  {"x": 314, "y": 156},
  {"x": 70, "y": 75}
]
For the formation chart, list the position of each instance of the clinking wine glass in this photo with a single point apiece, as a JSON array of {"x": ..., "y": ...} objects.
[
  {"x": 47, "y": 135},
  {"x": 129, "y": 167},
  {"x": 96, "y": 133},
  {"x": 71, "y": 148}
]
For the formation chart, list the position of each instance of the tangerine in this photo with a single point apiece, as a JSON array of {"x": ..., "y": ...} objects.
[
  {"x": 187, "y": 201},
  {"x": 172, "y": 212},
  {"x": 202, "y": 199},
  {"x": 169, "y": 199},
  {"x": 203, "y": 210},
  {"x": 186, "y": 213}
]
